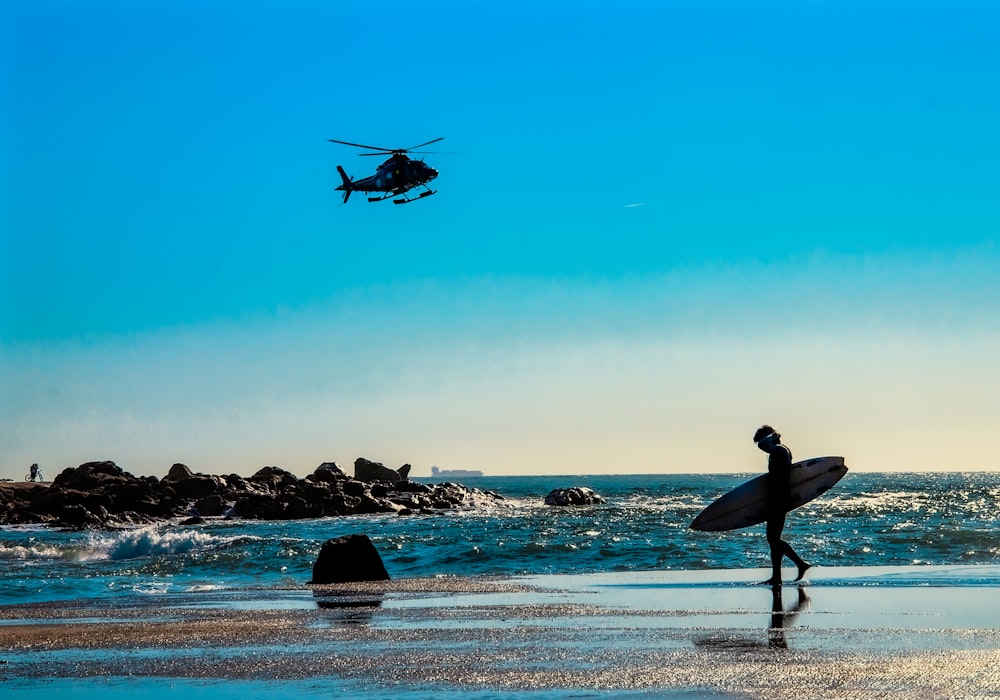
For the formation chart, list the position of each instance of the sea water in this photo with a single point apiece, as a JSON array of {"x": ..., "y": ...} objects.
[{"x": 868, "y": 519}]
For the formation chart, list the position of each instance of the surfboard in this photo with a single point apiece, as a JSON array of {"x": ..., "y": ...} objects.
[{"x": 746, "y": 504}]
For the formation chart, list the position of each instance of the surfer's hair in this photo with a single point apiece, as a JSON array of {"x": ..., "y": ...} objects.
[{"x": 762, "y": 432}]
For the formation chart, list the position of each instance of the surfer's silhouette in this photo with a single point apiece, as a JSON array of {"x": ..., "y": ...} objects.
[{"x": 779, "y": 467}]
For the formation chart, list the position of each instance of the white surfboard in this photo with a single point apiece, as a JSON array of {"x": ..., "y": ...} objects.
[{"x": 746, "y": 505}]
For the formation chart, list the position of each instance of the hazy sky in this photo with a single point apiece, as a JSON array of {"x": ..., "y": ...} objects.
[{"x": 659, "y": 224}]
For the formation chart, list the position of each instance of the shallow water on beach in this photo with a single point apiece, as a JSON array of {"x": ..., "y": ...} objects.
[
  {"x": 866, "y": 520},
  {"x": 168, "y": 689},
  {"x": 853, "y": 632}
]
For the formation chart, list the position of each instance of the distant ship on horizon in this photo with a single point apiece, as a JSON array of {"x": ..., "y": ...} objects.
[{"x": 455, "y": 472}]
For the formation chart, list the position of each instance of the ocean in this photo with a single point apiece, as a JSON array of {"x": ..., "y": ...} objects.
[{"x": 868, "y": 519}]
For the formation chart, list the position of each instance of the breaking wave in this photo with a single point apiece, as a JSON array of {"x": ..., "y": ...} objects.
[{"x": 151, "y": 541}]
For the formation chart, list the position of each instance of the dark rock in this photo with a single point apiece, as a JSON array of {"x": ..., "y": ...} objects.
[
  {"x": 24, "y": 493},
  {"x": 575, "y": 496},
  {"x": 140, "y": 496},
  {"x": 194, "y": 520},
  {"x": 91, "y": 475},
  {"x": 76, "y": 515},
  {"x": 274, "y": 510},
  {"x": 150, "y": 507},
  {"x": 55, "y": 500},
  {"x": 411, "y": 487},
  {"x": 252, "y": 505},
  {"x": 355, "y": 488},
  {"x": 410, "y": 501},
  {"x": 348, "y": 559},
  {"x": 297, "y": 508},
  {"x": 368, "y": 505},
  {"x": 178, "y": 472},
  {"x": 44, "y": 500},
  {"x": 366, "y": 470},
  {"x": 328, "y": 471},
  {"x": 197, "y": 486},
  {"x": 274, "y": 477},
  {"x": 336, "y": 504},
  {"x": 133, "y": 491},
  {"x": 315, "y": 493},
  {"x": 211, "y": 506}
]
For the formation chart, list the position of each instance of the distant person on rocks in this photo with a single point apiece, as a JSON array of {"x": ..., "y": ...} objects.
[
  {"x": 34, "y": 472},
  {"x": 779, "y": 467}
]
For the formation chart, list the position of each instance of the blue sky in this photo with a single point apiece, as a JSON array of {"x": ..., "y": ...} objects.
[{"x": 659, "y": 224}]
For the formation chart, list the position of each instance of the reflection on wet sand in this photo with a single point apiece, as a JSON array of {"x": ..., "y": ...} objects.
[
  {"x": 781, "y": 618},
  {"x": 348, "y": 607}
]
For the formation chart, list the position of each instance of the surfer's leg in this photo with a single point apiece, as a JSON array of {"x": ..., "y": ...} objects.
[
  {"x": 785, "y": 549},
  {"x": 800, "y": 563},
  {"x": 774, "y": 527}
]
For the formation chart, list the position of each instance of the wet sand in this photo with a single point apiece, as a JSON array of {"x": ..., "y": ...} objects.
[{"x": 849, "y": 633}]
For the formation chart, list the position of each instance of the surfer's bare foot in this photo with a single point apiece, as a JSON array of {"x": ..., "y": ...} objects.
[
  {"x": 803, "y": 568},
  {"x": 772, "y": 582}
]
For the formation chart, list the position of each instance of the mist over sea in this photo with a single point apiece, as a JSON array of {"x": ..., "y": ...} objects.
[{"x": 868, "y": 519}]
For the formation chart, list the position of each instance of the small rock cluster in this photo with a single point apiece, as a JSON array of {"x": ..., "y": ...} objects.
[
  {"x": 575, "y": 496},
  {"x": 102, "y": 494}
]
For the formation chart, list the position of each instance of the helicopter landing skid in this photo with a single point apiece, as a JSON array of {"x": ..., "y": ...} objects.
[
  {"x": 407, "y": 200},
  {"x": 404, "y": 199}
]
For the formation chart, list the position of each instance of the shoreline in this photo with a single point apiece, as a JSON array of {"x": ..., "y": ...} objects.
[{"x": 849, "y": 632}]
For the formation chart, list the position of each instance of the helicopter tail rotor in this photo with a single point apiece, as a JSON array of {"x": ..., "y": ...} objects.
[{"x": 347, "y": 187}]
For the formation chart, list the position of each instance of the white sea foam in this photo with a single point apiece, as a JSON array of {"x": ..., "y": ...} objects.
[
  {"x": 29, "y": 553},
  {"x": 149, "y": 541},
  {"x": 152, "y": 588}
]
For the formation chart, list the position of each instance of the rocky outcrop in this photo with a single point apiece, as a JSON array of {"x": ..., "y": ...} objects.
[
  {"x": 102, "y": 494},
  {"x": 348, "y": 559},
  {"x": 575, "y": 496}
]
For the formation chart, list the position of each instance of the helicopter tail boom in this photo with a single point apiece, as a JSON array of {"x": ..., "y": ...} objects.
[{"x": 348, "y": 186}]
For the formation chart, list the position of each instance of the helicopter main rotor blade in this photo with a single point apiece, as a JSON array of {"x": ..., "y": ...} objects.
[
  {"x": 388, "y": 151},
  {"x": 420, "y": 145},
  {"x": 370, "y": 148}
]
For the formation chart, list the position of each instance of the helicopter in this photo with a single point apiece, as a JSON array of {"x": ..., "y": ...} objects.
[{"x": 396, "y": 176}]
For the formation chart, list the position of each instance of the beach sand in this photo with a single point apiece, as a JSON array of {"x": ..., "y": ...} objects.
[{"x": 929, "y": 632}]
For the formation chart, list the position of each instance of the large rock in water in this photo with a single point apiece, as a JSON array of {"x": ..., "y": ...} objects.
[
  {"x": 348, "y": 559},
  {"x": 576, "y": 496}
]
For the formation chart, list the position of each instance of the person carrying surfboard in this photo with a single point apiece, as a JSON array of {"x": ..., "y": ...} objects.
[{"x": 779, "y": 467}]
